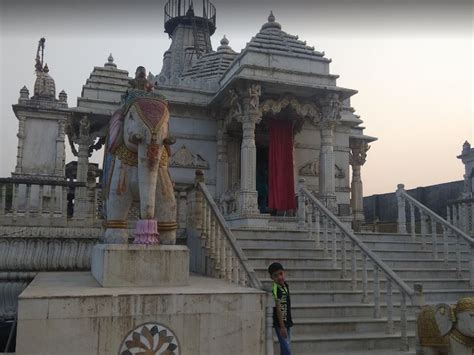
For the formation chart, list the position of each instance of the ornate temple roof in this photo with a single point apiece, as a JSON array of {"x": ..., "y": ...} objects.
[
  {"x": 103, "y": 89},
  {"x": 272, "y": 38},
  {"x": 45, "y": 87},
  {"x": 212, "y": 64}
]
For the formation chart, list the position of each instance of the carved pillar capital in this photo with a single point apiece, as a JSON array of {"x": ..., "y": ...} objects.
[
  {"x": 245, "y": 103},
  {"x": 330, "y": 107},
  {"x": 358, "y": 154}
]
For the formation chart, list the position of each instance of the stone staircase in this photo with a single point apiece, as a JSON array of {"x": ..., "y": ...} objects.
[{"x": 328, "y": 314}]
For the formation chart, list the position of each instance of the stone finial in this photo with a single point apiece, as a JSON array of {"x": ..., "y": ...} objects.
[
  {"x": 224, "y": 41},
  {"x": 110, "y": 62},
  {"x": 466, "y": 147},
  {"x": 271, "y": 22},
  {"x": 63, "y": 96},
  {"x": 271, "y": 17},
  {"x": 224, "y": 45},
  {"x": 24, "y": 93},
  {"x": 46, "y": 69}
]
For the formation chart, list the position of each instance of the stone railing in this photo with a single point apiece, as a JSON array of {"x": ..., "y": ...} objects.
[
  {"x": 460, "y": 213},
  {"x": 215, "y": 252},
  {"x": 220, "y": 255},
  {"x": 25, "y": 201},
  {"x": 453, "y": 238},
  {"x": 329, "y": 232}
]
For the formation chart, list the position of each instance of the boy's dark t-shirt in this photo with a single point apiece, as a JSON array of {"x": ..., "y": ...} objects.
[{"x": 282, "y": 294}]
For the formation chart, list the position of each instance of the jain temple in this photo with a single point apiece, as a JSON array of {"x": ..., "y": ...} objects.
[{"x": 214, "y": 168}]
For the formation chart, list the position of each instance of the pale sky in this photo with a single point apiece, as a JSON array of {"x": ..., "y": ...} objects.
[{"x": 411, "y": 61}]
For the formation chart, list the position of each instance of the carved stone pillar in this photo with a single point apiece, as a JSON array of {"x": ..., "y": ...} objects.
[
  {"x": 21, "y": 138},
  {"x": 60, "y": 149},
  {"x": 357, "y": 158},
  {"x": 331, "y": 113},
  {"x": 246, "y": 109},
  {"x": 222, "y": 182},
  {"x": 83, "y": 150},
  {"x": 80, "y": 194}
]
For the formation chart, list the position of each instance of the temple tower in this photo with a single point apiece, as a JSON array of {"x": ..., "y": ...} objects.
[
  {"x": 190, "y": 24},
  {"x": 41, "y": 130}
]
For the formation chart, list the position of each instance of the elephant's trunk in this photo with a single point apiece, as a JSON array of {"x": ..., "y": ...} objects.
[{"x": 148, "y": 155}]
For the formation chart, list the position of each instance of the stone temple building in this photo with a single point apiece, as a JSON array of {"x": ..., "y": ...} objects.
[{"x": 280, "y": 149}]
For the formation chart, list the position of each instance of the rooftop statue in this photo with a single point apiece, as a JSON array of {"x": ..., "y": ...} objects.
[{"x": 136, "y": 167}]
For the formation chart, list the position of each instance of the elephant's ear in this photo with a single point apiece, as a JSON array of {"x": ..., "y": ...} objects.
[
  {"x": 115, "y": 131},
  {"x": 444, "y": 318}
]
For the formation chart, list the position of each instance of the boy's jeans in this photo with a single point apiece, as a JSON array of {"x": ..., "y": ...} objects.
[{"x": 284, "y": 342}]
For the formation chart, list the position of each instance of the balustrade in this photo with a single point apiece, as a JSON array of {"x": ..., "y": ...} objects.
[
  {"x": 318, "y": 219},
  {"x": 453, "y": 239}
]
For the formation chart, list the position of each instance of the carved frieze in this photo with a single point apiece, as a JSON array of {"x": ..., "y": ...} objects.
[
  {"x": 311, "y": 168},
  {"x": 184, "y": 158},
  {"x": 305, "y": 110}
]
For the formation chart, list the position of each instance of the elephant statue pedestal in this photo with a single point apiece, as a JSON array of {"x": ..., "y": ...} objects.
[{"x": 135, "y": 265}]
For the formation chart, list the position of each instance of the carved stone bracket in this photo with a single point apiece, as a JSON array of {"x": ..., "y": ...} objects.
[
  {"x": 311, "y": 168},
  {"x": 358, "y": 154}
]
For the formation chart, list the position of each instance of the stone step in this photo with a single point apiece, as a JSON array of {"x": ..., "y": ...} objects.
[
  {"x": 367, "y": 352},
  {"x": 276, "y": 243},
  {"x": 399, "y": 237},
  {"x": 331, "y": 273},
  {"x": 411, "y": 245},
  {"x": 308, "y": 326},
  {"x": 345, "y": 284},
  {"x": 269, "y": 233},
  {"x": 287, "y": 262},
  {"x": 323, "y": 343},
  {"x": 345, "y": 296},
  {"x": 277, "y": 253},
  {"x": 343, "y": 310}
]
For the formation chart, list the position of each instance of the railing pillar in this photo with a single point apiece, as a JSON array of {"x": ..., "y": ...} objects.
[
  {"x": 418, "y": 302},
  {"x": 3, "y": 193},
  {"x": 402, "y": 222},
  {"x": 301, "y": 203},
  {"x": 403, "y": 321},
  {"x": 390, "y": 328},
  {"x": 434, "y": 238},
  {"x": 423, "y": 228},
  {"x": 269, "y": 325},
  {"x": 412, "y": 220},
  {"x": 471, "y": 266},
  {"x": 376, "y": 292}
]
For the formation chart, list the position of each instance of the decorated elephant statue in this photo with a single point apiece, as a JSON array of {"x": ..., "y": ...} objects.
[
  {"x": 446, "y": 330},
  {"x": 136, "y": 168}
]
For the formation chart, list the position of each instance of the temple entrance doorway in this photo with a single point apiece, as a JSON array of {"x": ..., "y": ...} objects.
[
  {"x": 274, "y": 166},
  {"x": 261, "y": 142}
]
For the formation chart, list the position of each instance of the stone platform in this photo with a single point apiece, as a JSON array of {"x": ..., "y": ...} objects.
[
  {"x": 130, "y": 265},
  {"x": 70, "y": 313}
]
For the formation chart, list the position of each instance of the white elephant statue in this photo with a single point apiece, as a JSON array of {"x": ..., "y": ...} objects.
[
  {"x": 136, "y": 168},
  {"x": 446, "y": 330}
]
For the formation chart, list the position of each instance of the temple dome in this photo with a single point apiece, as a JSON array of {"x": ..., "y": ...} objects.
[
  {"x": 273, "y": 39},
  {"x": 45, "y": 87}
]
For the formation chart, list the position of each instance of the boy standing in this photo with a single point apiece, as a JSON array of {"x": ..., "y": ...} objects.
[{"x": 282, "y": 321}]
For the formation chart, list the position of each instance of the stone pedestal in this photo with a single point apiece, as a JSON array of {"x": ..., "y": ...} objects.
[
  {"x": 122, "y": 265},
  {"x": 70, "y": 313}
]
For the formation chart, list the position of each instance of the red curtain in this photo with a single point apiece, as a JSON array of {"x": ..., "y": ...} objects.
[{"x": 281, "y": 184}]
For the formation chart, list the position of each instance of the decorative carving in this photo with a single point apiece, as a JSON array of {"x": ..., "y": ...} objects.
[
  {"x": 340, "y": 174},
  {"x": 235, "y": 105},
  {"x": 255, "y": 91},
  {"x": 84, "y": 127},
  {"x": 229, "y": 200},
  {"x": 358, "y": 155},
  {"x": 330, "y": 108},
  {"x": 306, "y": 110},
  {"x": 310, "y": 168},
  {"x": 150, "y": 339},
  {"x": 184, "y": 158}
]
